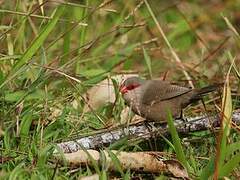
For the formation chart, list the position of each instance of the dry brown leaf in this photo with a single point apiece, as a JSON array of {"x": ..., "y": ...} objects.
[
  {"x": 103, "y": 92},
  {"x": 227, "y": 105},
  {"x": 176, "y": 168},
  {"x": 126, "y": 116}
]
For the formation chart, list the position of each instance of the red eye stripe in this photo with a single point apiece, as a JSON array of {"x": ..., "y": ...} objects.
[
  {"x": 132, "y": 86},
  {"x": 125, "y": 89}
]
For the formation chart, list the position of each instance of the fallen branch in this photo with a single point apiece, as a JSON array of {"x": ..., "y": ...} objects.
[
  {"x": 141, "y": 131},
  {"x": 152, "y": 162}
]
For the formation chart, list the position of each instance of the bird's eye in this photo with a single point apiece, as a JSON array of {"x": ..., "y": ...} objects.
[{"x": 132, "y": 86}]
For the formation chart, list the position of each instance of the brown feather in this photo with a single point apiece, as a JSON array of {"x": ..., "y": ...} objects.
[
  {"x": 158, "y": 90},
  {"x": 153, "y": 98}
]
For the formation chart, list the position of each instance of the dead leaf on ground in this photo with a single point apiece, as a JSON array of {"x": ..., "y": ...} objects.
[{"x": 103, "y": 92}]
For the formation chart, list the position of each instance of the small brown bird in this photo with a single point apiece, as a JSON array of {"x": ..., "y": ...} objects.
[{"x": 152, "y": 99}]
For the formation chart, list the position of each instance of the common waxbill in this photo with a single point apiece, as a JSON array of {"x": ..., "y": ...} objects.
[{"x": 152, "y": 99}]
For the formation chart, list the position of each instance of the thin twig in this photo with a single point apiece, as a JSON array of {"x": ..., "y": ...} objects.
[
  {"x": 40, "y": 16},
  {"x": 174, "y": 54}
]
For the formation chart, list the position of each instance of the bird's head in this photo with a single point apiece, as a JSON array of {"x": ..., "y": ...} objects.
[{"x": 130, "y": 84}]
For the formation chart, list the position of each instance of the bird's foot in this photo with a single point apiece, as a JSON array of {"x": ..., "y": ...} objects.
[
  {"x": 182, "y": 118},
  {"x": 149, "y": 126}
]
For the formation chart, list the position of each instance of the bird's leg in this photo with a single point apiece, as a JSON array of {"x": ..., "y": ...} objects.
[
  {"x": 150, "y": 130},
  {"x": 211, "y": 125},
  {"x": 181, "y": 117},
  {"x": 148, "y": 126}
]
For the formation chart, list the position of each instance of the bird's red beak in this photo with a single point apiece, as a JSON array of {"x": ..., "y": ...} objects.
[{"x": 123, "y": 89}]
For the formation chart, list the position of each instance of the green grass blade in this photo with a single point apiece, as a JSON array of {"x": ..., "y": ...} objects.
[
  {"x": 208, "y": 170},
  {"x": 17, "y": 171},
  {"x": 103, "y": 175},
  {"x": 66, "y": 40},
  {"x": 26, "y": 124},
  {"x": 116, "y": 162},
  {"x": 232, "y": 60},
  {"x": 148, "y": 61},
  {"x": 227, "y": 115},
  {"x": 119, "y": 144},
  {"x": 36, "y": 44},
  {"x": 226, "y": 110},
  {"x": 176, "y": 142},
  {"x": 230, "y": 165},
  {"x": 43, "y": 155},
  {"x": 232, "y": 148}
]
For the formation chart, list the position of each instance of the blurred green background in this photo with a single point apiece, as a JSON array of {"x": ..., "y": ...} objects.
[{"x": 52, "y": 52}]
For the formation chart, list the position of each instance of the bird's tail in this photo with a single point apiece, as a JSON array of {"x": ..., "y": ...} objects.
[{"x": 205, "y": 90}]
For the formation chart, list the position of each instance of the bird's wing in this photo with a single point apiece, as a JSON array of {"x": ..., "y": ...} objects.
[{"x": 157, "y": 90}]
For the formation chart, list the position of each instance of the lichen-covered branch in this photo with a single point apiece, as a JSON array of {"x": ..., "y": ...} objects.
[{"x": 142, "y": 131}]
